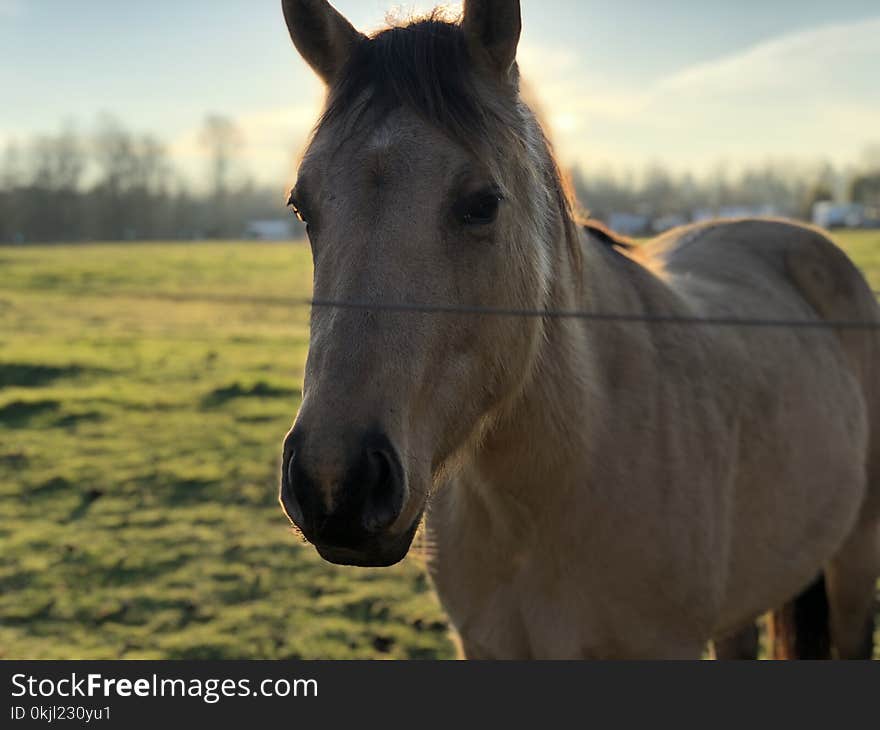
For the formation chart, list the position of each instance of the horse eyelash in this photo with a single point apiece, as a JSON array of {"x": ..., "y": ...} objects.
[{"x": 297, "y": 209}]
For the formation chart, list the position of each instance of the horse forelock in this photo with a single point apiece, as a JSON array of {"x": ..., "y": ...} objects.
[{"x": 423, "y": 65}]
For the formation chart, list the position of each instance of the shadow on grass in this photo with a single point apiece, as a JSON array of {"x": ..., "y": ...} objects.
[
  {"x": 26, "y": 616},
  {"x": 20, "y": 413},
  {"x": 51, "y": 487},
  {"x": 191, "y": 491},
  {"x": 24, "y": 413},
  {"x": 28, "y": 375},
  {"x": 261, "y": 389},
  {"x": 85, "y": 504},
  {"x": 175, "y": 490}
]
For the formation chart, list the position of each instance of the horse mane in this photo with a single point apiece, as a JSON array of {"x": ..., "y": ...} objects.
[
  {"x": 604, "y": 234},
  {"x": 424, "y": 65}
]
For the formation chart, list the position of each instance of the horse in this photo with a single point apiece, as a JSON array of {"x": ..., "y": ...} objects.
[{"x": 624, "y": 487}]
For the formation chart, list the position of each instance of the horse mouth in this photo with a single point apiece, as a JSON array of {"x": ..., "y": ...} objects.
[{"x": 378, "y": 553}]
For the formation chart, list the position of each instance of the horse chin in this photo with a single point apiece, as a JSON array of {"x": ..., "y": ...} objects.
[{"x": 381, "y": 552}]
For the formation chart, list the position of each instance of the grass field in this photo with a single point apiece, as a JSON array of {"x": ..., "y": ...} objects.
[{"x": 144, "y": 394}]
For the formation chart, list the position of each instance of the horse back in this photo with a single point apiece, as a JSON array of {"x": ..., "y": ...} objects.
[
  {"x": 774, "y": 269},
  {"x": 813, "y": 393}
]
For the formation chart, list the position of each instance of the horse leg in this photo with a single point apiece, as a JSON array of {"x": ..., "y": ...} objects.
[
  {"x": 852, "y": 581},
  {"x": 801, "y": 628},
  {"x": 742, "y": 645}
]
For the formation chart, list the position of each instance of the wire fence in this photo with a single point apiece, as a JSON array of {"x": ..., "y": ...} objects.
[{"x": 598, "y": 317}]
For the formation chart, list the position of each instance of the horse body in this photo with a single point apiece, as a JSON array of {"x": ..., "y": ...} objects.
[
  {"x": 707, "y": 487},
  {"x": 599, "y": 489}
]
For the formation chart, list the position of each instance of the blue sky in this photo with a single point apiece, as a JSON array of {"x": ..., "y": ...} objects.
[{"x": 683, "y": 82}]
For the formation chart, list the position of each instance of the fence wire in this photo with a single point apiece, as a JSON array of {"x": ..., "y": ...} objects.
[{"x": 598, "y": 317}]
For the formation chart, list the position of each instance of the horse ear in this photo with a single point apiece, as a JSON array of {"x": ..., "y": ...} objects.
[
  {"x": 493, "y": 29},
  {"x": 324, "y": 38}
]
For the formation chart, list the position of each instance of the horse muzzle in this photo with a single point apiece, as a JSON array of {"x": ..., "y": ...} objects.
[{"x": 347, "y": 498}]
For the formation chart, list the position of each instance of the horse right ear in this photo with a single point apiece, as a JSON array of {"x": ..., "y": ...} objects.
[
  {"x": 493, "y": 29},
  {"x": 324, "y": 38}
]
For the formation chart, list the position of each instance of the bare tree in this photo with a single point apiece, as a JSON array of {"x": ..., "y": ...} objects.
[
  {"x": 223, "y": 141},
  {"x": 818, "y": 193},
  {"x": 10, "y": 168},
  {"x": 871, "y": 156},
  {"x": 865, "y": 189},
  {"x": 10, "y": 180},
  {"x": 153, "y": 171},
  {"x": 57, "y": 161},
  {"x": 114, "y": 153}
]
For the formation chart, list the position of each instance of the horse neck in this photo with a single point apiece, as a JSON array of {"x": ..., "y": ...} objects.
[{"x": 568, "y": 397}]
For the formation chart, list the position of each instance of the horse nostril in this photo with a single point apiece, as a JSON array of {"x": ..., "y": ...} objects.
[
  {"x": 289, "y": 499},
  {"x": 291, "y": 470},
  {"x": 384, "y": 488}
]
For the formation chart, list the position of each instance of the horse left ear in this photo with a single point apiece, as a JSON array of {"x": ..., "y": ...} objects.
[
  {"x": 324, "y": 38},
  {"x": 493, "y": 29}
]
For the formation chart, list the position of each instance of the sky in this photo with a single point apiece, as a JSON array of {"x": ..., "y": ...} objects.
[{"x": 623, "y": 84}]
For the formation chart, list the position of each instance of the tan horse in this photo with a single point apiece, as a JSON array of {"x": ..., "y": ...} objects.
[{"x": 592, "y": 489}]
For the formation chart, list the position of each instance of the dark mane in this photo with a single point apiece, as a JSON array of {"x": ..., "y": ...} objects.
[
  {"x": 607, "y": 236},
  {"x": 425, "y": 67}
]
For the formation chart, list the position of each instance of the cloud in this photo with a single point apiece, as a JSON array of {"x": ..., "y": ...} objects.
[
  {"x": 812, "y": 57},
  {"x": 814, "y": 93}
]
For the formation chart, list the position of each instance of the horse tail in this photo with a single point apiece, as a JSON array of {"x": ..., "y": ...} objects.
[{"x": 801, "y": 629}]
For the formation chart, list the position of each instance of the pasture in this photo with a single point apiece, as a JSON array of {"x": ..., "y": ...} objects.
[{"x": 144, "y": 393}]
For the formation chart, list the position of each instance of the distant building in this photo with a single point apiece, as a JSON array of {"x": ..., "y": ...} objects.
[
  {"x": 838, "y": 215},
  {"x": 642, "y": 224},
  {"x": 668, "y": 222},
  {"x": 872, "y": 218},
  {"x": 276, "y": 229},
  {"x": 747, "y": 211},
  {"x": 629, "y": 224},
  {"x": 726, "y": 212}
]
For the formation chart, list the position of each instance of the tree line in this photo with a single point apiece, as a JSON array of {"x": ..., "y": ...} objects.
[
  {"x": 114, "y": 184},
  {"x": 786, "y": 188}
]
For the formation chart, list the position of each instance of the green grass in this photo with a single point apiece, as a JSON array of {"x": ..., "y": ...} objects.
[
  {"x": 144, "y": 394},
  {"x": 864, "y": 248}
]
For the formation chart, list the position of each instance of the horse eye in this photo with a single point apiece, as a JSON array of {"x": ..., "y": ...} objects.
[
  {"x": 480, "y": 209},
  {"x": 297, "y": 209}
]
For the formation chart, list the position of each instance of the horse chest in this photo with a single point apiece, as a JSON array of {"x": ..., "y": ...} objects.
[
  {"x": 505, "y": 617},
  {"x": 561, "y": 588},
  {"x": 517, "y": 606},
  {"x": 526, "y": 617}
]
